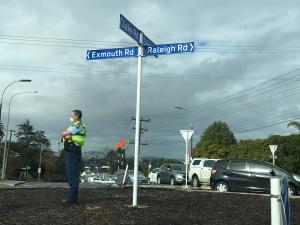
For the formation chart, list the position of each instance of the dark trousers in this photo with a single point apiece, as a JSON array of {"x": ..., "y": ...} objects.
[{"x": 72, "y": 160}]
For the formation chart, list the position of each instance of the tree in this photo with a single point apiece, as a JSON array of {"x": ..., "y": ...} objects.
[
  {"x": 25, "y": 133},
  {"x": 1, "y": 131},
  {"x": 111, "y": 158},
  {"x": 288, "y": 152},
  {"x": 217, "y": 134},
  {"x": 215, "y": 141},
  {"x": 29, "y": 144},
  {"x": 39, "y": 138},
  {"x": 295, "y": 124}
]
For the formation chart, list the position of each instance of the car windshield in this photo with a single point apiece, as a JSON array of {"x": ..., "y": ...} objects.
[{"x": 178, "y": 167}]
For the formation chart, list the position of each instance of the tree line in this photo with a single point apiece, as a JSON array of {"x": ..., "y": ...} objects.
[{"x": 25, "y": 153}]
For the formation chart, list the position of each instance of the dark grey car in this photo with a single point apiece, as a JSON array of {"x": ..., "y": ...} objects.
[
  {"x": 119, "y": 175},
  {"x": 248, "y": 175},
  {"x": 171, "y": 174}
]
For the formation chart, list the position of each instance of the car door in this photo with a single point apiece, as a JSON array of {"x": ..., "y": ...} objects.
[
  {"x": 195, "y": 168},
  {"x": 259, "y": 176},
  {"x": 163, "y": 174},
  {"x": 168, "y": 174},
  {"x": 238, "y": 175},
  {"x": 205, "y": 170},
  {"x": 153, "y": 176}
]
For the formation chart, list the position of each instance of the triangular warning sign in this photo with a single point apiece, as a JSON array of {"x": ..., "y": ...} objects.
[
  {"x": 273, "y": 148},
  {"x": 187, "y": 134}
]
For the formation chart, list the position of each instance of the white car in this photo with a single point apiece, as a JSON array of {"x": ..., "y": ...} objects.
[
  {"x": 153, "y": 175},
  {"x": 200, "y": 171}
]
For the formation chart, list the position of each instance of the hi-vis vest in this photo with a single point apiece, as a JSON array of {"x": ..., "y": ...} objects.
[{"x": 78, "y": 138}]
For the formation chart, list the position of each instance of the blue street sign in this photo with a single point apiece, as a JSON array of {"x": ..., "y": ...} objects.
[
  {"x": 147, "y": 41},
  {"x": 129, "y": 28},
  {"x": 168, "y": 49},
  {"x": 111, "y": 53}
]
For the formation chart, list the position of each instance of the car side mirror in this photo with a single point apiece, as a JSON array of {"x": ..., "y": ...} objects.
[{"x": 272, "y": 172}]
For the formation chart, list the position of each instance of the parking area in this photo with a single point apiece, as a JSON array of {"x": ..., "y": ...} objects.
[{"x": 158, "y": 205}]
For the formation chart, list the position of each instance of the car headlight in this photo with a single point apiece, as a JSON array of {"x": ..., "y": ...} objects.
[
  {"x": 297, "y": 178},
  {"x": 179, "y": 176}
]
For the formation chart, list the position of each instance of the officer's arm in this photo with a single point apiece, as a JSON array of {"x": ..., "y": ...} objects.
[{"x": 76, "y": 129}]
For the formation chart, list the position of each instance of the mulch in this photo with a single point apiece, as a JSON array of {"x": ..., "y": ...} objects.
[{"x": 111, "y": 206}]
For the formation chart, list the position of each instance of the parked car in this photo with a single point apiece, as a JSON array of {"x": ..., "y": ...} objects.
[
  {"x": 153, "y": 175},
  {"x": 119, "y": 175},
  {"x": 248, "y": 175},
  {"x": 171, "y": 174},
  {"x": 200, "y": 171}
]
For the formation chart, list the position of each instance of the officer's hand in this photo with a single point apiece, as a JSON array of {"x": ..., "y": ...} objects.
[{"x": 68, "y": 137}]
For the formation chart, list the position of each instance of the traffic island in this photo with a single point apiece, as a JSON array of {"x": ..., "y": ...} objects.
[{"x": 110, "y": 206}]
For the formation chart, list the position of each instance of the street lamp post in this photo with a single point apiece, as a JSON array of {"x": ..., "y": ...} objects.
[
  {"x": 23, "y": 80},
  {"x": 8, "y": 146},
  {"x": 5, "y": 153}
]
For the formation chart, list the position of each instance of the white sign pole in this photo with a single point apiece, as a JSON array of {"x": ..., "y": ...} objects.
[
  {"x": 186, "y": 134},
  {"x": 186, "y": 160},
  {"x": 137, "y": 124}
]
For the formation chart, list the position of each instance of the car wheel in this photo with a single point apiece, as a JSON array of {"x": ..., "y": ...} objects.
[
  {"x": 222, "y": 186},
  {"x": 172, "y": 181},
  {"x": 292, "y": 190},
  {"x": 158, "y": 180},
  {"x": 195, "y": 182}
]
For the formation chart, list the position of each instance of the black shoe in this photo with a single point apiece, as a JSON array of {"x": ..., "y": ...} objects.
[{"x": 67, "y": 201}]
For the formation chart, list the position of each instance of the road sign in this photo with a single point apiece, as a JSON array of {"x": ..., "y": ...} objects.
[
  {"x": 187, "y": 134},
  {"x": 129, "y": 28},
  {"x": 111, "y": 53},
  {"x": 146, "y": 41},
  {"x": 168, "y": 49},
  {"x": 273, "y": 148},
  {"x": 145, "y": 47}
]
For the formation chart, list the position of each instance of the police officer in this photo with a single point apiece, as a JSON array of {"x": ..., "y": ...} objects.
[{"x": 73, "y": 138}]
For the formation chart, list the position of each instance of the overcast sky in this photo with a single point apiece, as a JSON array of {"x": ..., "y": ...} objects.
[{"x": 237, "y": 74}]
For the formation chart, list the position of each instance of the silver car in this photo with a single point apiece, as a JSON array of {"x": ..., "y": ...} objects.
[
  {"x": 119, "y": 176},
  {"x": 171, "y": 174}
]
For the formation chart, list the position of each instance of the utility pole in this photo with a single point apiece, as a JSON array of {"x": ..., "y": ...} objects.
[
  {"x": 142, "y": 130},
  {"x": 40, "y": 163},
  {"x": 192, "y": 128}
]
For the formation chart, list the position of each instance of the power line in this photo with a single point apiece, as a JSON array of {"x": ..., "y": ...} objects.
[
  {"x": 3, "y": 36},
  {"x": 228, "y": 98},
  {"x": 131, "y": 74},
  {"x": 264, "y": 125},
  {"x": 251, "y": 122}
]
